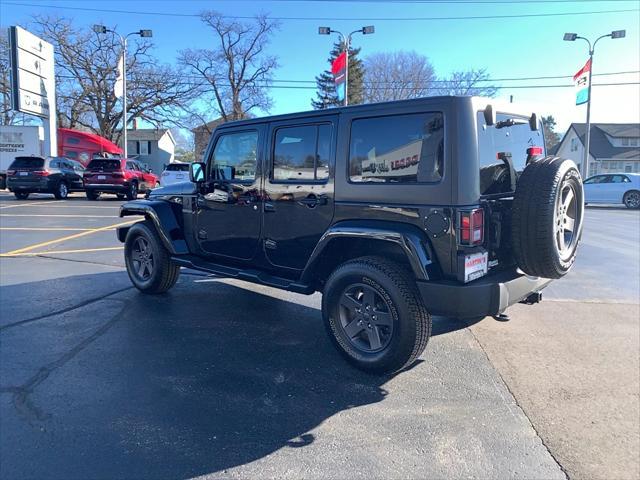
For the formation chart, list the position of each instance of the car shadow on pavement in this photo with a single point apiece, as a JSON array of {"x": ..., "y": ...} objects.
[{"x": 205, "y": 378}]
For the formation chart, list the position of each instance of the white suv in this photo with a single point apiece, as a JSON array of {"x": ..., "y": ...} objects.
[{"x": 175, "y": 173}]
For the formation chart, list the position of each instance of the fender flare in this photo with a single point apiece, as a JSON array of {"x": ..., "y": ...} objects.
[
  {"x": 413, "y": 242},
  {"x": 163, "y": 216}
]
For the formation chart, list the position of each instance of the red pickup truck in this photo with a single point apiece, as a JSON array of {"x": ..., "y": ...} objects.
[{"x": 124, "y": 177}]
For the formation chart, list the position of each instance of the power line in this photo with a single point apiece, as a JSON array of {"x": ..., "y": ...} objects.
[{"x": 367, "y": 19}]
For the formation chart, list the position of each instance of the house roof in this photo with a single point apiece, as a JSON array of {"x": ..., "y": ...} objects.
[
  {"x": 208, "y": 127},
  {"x": 600, "y": 147},
  {"x": 148, "y": 134}
]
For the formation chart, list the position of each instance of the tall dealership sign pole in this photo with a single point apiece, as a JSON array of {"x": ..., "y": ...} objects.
[
  {"x": 341, "y": 63},
  {"x": 122, "y": 76},
  {"x": 584, "y": 94},
  {"x": 33, "y": 83}
]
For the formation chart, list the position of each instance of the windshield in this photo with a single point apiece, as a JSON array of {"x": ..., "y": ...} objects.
[
  {"x": 513, "y": 138},
  {"x": 104, "y": 165},
  {"x": 27, "y": 162}
]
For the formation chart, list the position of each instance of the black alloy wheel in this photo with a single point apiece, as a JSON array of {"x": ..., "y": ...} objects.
[
  {"x": 632, "y": 199},
  {"x": 365, "y": 318},
  {"x": 142, "y": 259}
]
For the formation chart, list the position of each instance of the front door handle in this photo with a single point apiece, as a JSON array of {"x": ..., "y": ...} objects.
[
  {"x": 269, "y": 207},
  {"x": 313, "y": 200}
]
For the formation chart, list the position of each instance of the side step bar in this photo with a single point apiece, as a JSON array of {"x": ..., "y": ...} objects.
[{"x": 249, "y": 275}]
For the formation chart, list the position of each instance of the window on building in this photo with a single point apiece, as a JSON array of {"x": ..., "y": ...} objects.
[
  {"x": 628, "y": 168},
  {"x": 574, "y": 144},
  {"x": 302, "y": 153},
  {"x": 397, "y": 148},
  {"x": 625, "y": 142},
  {"x": 613, "y": 165},
  {"x": 144, "y": 148},
  {"x": 70, "y": 154},
  {"x": 235, "y": 156},
  {"x": 73, "y": 140},
  {"x": 633, "y": 142}
]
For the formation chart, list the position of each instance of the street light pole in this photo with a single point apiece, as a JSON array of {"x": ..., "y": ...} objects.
[
  {"x": 570, "y": 37},
  {"x": 346, "y": 41},
  {"x": 123, "y": 43}
]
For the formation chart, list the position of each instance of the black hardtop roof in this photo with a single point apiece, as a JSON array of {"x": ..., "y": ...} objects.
[{"x": 350, "y": 108}]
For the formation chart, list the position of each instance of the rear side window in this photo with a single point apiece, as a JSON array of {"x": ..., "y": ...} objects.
[
  {"x": 27, "y": 162},
  {"x": 302, "y": 153},
  {"x": 104, "y": 165},
  {"x": 397, "y": 149},
  {"x": 235, "y": 156},
  {"x": 514, "y": 138},
  {"x": 177, "y": 167}
]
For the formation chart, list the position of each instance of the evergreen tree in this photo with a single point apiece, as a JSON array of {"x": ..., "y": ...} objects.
[
  {"x": 326, "y": 95},
  {"x": 551, "y": 137}
]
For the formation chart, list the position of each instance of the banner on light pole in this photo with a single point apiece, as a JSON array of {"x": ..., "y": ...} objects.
[
  {"x": 339, "y": 71},
  {"x": 581, "y": 80},
  {"x": 119, "y": 85}
]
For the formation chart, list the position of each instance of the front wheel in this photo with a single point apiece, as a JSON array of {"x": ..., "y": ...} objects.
[
  {"x": 374, "y": 314},
  {"x": 21, "y": 195},
  {"x": 632, "y": 199},
  {"x": 148, "y": 262}
]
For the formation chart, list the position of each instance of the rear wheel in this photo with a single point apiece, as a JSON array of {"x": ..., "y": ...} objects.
[
  {"x": 632, "y": 199},
  {"x": 62, "y": 191},
  {"x": 374, "y": 315},
  {"x": 148, "y": 262},
  {"x": 132, "y": 193},
  {"x": 21, "y": 195},
  {"x": 121, "y": 196},
  {"x": 92, "y": 195}
]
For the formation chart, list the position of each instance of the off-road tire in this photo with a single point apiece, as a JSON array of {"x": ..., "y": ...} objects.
[
  {"x": 535, "y": 213},
  {"x": 21, "y": 195},
  {"x": 132, "y": 192},
  {"x": 630, "y": 199},
  {"x": 62, "y": 191},
  {"x": 92, "y": 195},
  {"x": 395, "y": 285},
  {"x": 164, "y": 274}
]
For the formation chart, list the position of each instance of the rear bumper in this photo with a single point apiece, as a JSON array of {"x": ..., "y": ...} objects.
[
  {"x": 487, "y": 296},
  {"x": 42, "y": 185},
  {"x": 107, "y": 187}
]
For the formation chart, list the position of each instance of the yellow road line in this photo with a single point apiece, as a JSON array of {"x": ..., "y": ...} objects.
[
  {"x": 46, "y": 229},
  {"x": 58, "y": 252},
  {"x": 29, "y": 204},
  {"x": 69, "y": 237},
  {"x": 55, "y": 215}
]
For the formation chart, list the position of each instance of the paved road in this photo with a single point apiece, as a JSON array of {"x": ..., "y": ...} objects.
[{"x": 226, "y": 379}]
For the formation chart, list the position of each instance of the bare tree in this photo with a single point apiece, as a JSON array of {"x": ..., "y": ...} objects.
[
  {"x": 234, "y": 75},
  {"x": 470, "y": 82},
  {"x": 397, "y": 75},
  {"x": 86, "y": 71}
]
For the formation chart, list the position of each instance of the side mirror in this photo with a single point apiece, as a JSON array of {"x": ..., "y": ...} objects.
[
  {"x": 489, "y": 115},
  {"x": 533, "y": 122},
  {"x": 196, "y": 172}
]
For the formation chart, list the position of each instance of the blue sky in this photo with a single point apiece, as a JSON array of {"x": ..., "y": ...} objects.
[{"x": 506, "y": 47}]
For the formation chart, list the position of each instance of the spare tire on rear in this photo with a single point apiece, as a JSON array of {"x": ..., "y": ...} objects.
[{"x": 548, "y": 211}]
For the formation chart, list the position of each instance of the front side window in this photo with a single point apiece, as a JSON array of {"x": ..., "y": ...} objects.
[
  {"x": 235, "y": 156},
  {"x": 302, "y": 153},
  {"x": 511, "y": 136},
  {"x": 397, "y": 148}
]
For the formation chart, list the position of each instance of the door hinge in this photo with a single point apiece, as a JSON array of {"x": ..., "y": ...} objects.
[{"x": 270, "y": 244}]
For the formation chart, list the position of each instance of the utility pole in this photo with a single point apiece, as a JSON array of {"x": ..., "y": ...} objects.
[
  {"x": 123, "y": 42},
  {"x": 346, "y": 42},
  {"x": 571, "y": 37}
]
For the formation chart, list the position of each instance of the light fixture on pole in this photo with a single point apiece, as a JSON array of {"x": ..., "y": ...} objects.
[
  {"x": 346, "y": 42},
  {"x": 101, "y": 29},
  {"x": 571, "y": 37}
]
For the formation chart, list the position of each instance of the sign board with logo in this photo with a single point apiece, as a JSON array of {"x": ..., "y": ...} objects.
[
  {"x": 339, "y": 71},
  {"x": 33, "y": 81}
]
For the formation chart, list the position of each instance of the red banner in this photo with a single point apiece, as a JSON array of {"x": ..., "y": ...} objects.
[{"x": 339, "y": 64}]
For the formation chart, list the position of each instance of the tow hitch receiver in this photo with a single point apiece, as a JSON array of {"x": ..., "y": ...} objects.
[{"x": 535, "y": 297}]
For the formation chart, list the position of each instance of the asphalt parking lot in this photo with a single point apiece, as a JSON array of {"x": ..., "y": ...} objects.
[{"x": 226, "y": 379}]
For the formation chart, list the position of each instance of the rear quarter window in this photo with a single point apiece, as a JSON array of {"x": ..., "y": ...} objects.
[{"x": 405, "y": 148}]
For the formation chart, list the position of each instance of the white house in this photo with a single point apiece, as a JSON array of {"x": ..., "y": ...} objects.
[
  {"x": 155, "y": 147},
  {"x": 615, "y": 147}
]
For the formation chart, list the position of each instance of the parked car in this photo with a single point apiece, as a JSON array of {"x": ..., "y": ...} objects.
[
  {"x": 123, "y": 177},
  {"x": 55, "y": 175},
  {"x": 394, "y": 211},
  {"x": 175, "y": 173},
  {"x": 77, "y": 166},
  {"x": 613, "y": 188}
]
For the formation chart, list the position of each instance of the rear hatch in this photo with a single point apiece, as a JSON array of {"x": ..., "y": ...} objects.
[
  {"x": 27, "y": 170},
  {"x": 504, "y": 150},
  {"x": 174, "y": 173},
  {"x": 104, "y": 171}
]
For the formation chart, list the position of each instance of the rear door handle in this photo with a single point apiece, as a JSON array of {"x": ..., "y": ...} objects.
[
  {"x": 312, "y": 200},
  {"x": 269, "y": 207}
]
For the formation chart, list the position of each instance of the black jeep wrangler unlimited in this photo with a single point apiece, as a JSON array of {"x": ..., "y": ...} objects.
[{"x": 394, "y": 211}]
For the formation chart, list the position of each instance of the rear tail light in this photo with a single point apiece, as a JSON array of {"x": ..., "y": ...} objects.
[
  {"x": 11, "y": 173},
  {"x": 117, "y": 174},
  {"x": 471, "y": 227},
  {"x": 534, "y": 151},
  {"x": 41, "y": 173}
]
